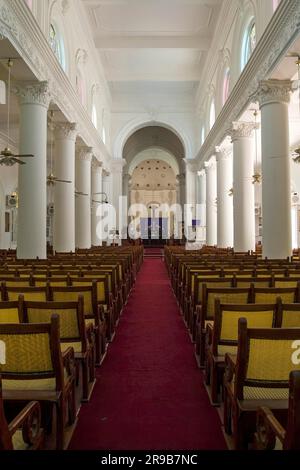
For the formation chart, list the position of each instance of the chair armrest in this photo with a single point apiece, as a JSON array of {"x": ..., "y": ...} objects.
[
  {"x": 230, "y": 366},
  {"x": 267, "y": 429},
  {"x": 208, "y": 335},
  {"x": 198, "y": 313},
  {"x": 68, "y": 359},
  {"x": 29, "y": 420},
  {"x": 101, "y": 313}
]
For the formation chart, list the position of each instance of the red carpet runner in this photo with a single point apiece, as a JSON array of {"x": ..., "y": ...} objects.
[{"x": 149, "y": 393}]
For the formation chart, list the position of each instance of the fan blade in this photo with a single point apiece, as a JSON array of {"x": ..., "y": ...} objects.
[
  {"x": 23, "y": 156},
  {"x": 62, "y": 181},
  {"x": 16, "y": 160}
]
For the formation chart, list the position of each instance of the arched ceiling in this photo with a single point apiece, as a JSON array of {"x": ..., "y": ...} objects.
[
  {"x": 153, "y": 175},
  {"x": 153, "y": 137},
  {"x": 154, "y": 154}
]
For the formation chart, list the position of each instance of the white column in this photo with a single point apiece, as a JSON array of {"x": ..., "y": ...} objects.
[
  {"x": 202, "y": 205},
  {"x": 31, "y": 238},
  {"x": 64, "y": 193},
  {"x": 107, "y": 185},
  {"x": 211, "y": 202},
  {"x": 117, "y": 192},
  {"x": 274, "y": 97},
  {"x": 96, "y": 188},
  {"x": 224, "y": 200},
  {"x": 243, "y": 189},
  {"x": 83, "y": 202},
  {"x": 190, "y": 188}
]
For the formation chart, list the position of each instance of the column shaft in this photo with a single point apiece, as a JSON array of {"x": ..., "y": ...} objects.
[
  {"x": 276, "y": 181},
  {"x": 224, "y": 201},
  {"x": 34, "y": 102},
  {"x": 96, "y": 188},
  {"x": 64, "y": 193},
  {"x": 211, "y": 206},
  {"x": 83, "y": 202}
]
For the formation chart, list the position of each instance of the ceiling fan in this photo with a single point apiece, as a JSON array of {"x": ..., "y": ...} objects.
[
  {"x": 51, "y": 179},
  {"x": 7, "y": 157}
]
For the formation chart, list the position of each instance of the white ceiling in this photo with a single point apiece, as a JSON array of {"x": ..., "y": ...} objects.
[{"x": 152, "y": 40}]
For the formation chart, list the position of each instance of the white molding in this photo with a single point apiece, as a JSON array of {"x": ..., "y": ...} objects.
[
  {"x": 277, "y": 38},
  {"x": 18, "y": 25}
]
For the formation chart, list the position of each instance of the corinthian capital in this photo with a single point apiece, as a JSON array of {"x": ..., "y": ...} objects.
[
  {"x": 65, "y": 130},
  {"x": 84, "y": 153},
  {"x": 96, "y": 165},
  {"x": 273, "y": 91},
  {"x": 242, "y": 130},
  {"x": 210, "y": 165},
  {"x": 191, "y": 164},
  {"x": 34, "y": 93},
  {"x": 223, "y": 153}
]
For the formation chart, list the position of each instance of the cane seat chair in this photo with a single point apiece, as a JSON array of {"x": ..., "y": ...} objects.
[
  {"x": 24, "y": 432},
  {"x": 93, "y": 314},
  {"x": 222, "y": 336},
  {"x": 35, "y": 369},
  {"x": 206, "y": 311},
  {"x": 270, "y": 295},
  {"x": 39, "y": 294},
  {"x": 73, "y": 333},
  {"x": 257, "y": 376},
  {"x": 288, "y": 315},
  {"x": 197, "y": 298},
  {"x": 12, "y": 312}
]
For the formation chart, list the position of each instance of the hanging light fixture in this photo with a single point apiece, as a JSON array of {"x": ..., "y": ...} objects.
[{"x": 256, "y": 178}]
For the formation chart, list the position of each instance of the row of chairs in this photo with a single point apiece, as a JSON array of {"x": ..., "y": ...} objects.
[
  {"x": 54, "y": 335},
  {"x": 244, "y": 339}
]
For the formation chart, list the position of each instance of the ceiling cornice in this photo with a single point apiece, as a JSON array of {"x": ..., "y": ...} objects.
[{"x": 271, "y": 48}]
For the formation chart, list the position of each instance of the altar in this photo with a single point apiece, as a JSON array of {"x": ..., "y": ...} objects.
[{"x": 154, "y": 230}]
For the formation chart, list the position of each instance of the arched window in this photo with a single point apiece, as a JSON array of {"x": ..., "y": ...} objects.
[
  {"x": 80, "y": 86},
  {"x": 57, "y": 45},
  {"x": 94, "y": 116},
  {"x": 225, "y": 91},
  {"x": 275, "y": 4},
  {"x": 29, "y": 3},
  {"x": 212, "y": 113},
  {"x": 249, "y": 42},
  {"x": 103, "y": 127}
]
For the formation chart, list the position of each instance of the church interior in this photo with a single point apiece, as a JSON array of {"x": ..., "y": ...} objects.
[{"x": 149, "y": 225}]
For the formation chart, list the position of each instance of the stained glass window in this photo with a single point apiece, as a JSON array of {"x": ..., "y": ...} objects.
[
  {"x": 94, "y": 116},
  {"x": 226, "y": 85},
  {"x": 29, "y": 3},
  {"x": 202, "y": 135},
  {"x": 103, "y": 127},
  {"x": 57, "y": 45},
  {"x": 249, "y": 43},
  {"x": 212, "y": 114}
]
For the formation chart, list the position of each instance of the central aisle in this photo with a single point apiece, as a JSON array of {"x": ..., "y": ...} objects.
[{"x": 149, "y": 393}]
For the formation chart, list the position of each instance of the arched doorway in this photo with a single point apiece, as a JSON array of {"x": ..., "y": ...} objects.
[{"x": 151, "y": 177}]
